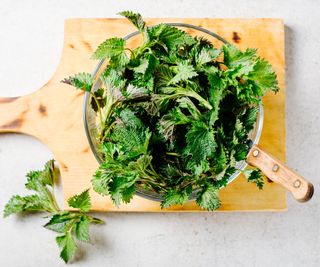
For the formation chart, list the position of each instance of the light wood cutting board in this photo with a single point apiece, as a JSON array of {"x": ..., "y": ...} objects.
[{"x": 53, "y": 114}]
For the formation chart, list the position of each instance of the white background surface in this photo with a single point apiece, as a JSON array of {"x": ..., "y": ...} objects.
[{"x": 31, "y": 34}]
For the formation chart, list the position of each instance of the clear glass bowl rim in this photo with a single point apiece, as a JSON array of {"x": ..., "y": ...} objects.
[{"x": 241, "y": 165}]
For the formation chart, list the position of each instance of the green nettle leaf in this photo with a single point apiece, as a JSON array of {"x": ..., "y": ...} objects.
[
  {"x": 215, "y": 96},
  {"x": 34, "y": 203},
  {"x": 240, "y": 152},
  {"x": 83, "y": 81},
  {"x": 113, "y": 48},
  {"x": 249, "y": 118},
  {"x": 82, "y": 229},
  {"x": 147, "y": 66},
  {"x": 220, "y": 159},
  {"x": 171, "y": 119},
  {"x": 185, "y": 102},
  {"x": 135, "y": 18},
  {"x": 208, "y": 198},
  {"x": 200, "y": 142},
  {"x": 98, "y": 101},
  {"x": 254, "y": 176},
  {"x": 33, "y": 180},
  {"x": 163, "y": 75},
  {"x": 101, "y": 179},
  {"x": 112, "y": 78},
  {"x": 144, "y": 63},
  {"x": 207, "y": 55},
  {"x": 183, "y": 72},
  {"x": 47, "y": 175},
  {"x": 15, "y": 205},
  {"x": 174, "y": 198},
  {"x": 81, "y": 201},
  {"x": 59, "y": 222},
  {"x": 233, "y": 57},
  {"x": 128, "y": 193},
  {"x": 263, "y": 76},
  {"x": 134, "y": 93},
  {"x": 68, "y": 246},
  {"x": 239, "y": 131},
  {"x": 171, "y": 36}
]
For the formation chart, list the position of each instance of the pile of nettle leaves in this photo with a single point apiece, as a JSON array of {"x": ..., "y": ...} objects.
[{"x": 174, "y": 114}]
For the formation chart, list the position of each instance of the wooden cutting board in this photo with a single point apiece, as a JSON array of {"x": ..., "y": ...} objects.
[{"x": 53, "y": 114}]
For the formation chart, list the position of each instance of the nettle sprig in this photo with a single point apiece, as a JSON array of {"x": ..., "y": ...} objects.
[
  {"x": 70, "y": 225},
  {"x": 175, "y": 114}
]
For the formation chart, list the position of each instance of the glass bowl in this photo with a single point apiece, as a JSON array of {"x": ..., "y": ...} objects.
[{"x": 91, "y": 122}]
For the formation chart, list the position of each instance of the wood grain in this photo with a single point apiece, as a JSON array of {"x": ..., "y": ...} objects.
[{"x": 53, "y": 114}]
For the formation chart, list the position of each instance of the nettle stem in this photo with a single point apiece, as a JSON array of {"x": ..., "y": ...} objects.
[
  {"x": 99, "y": 107},
  {"x": 107, "y": 111},
  {"x": 193, "y": 94}
]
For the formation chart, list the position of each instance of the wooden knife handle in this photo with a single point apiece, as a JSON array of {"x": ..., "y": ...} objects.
[{"x": 276, "y": 171}]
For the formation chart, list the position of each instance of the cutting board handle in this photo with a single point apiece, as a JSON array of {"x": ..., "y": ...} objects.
[
  {"x": 15, "y": 115},
  {"x": 275, "y": 170}
]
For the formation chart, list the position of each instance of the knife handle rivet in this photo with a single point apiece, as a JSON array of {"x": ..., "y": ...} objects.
[
  {"x": 297, "y": 183},
  {"x": 255, "y": 153},
  {"x": 275, "y": 167}
]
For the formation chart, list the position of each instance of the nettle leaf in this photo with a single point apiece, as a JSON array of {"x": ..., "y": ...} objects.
[
  {"x": 48, "y": 175},
  {"x": 200, "y": 142},
  {"x": 240, "y": 152},
  {"x": 144, "y": 63},
  {"x": 239, "y": 131},
  {"x": 185, "y": 102},
  {"x": 134, "y": 18},
  {"x": 121, "y": 187},
  {"x": 68, "y": 246},
  {"x": 183, "y": 72},
  {"x": 33, "y": 180},
  {"x": 254, "y": 176},
  {"x": 82, "y": 229},
  {"x": 60, "y": 222},
  {"x": 170, "y": 120},
  {"x": 102, "y": 178},
  {"x": 147, "y": 66},
  {"x": 174, "y": 197},
  {"x": 30, "y": 203},
  {"x": 34, "y": 203},
  {"x": 170, "y": 36},
  {"x": 113, "y": 48},
  {"x": 131, "y": 134},
  {"x": 128, "y": 193},
  {"x": 249, "y": 118},
  {"x": 112, "y": 78},
  {"x": 163, "y": 75},
  {"x": 15, "y": 205},
  {"x": 206, "y": 55},
  {"x": 220, "y": 159},
  {"x": 98, "y": 101},
  {"x": 233, "y": 57},
  {"x": 133, "y": 92},
  {"x": 263, "y": 76},
  {"x": 83, "y": 81},
  {"x": 208, "y": 198},
  {"x": 81, "y": 201},
  {"x": 216, "y": 94}
]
